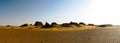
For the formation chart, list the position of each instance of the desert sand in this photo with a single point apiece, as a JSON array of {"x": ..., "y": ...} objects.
[{"x": 101, "y": 35}]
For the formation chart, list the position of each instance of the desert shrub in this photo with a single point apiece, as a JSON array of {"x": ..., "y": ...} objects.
[
  {"x": 8, "y": 25},
  {"x": 65, "y": 25},
  {"x": 37, "y": 23},
  {"x": 105, "y": 25},
  {"x": 47, "y": 25}
]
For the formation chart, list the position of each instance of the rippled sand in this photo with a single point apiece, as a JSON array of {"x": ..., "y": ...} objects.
[{"x": 102, "y": 35}]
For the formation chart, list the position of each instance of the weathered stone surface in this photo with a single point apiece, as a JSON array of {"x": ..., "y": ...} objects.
[
  {"x": 24, "y": 25},
  {"x": 54, "y": 24},
  {"x": 81, "y": 23},
  {"x": 74, "y": 23},
  {"x": 65, "y": 25},
  {"x": 47, "y": 25},
  {"x": 105, "y": 25},
  {"x": 37, "y": 23},
  {"x": 91, "y": 25}
]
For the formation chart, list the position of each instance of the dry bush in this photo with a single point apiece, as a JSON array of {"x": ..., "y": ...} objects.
[{"x": 8, "y": 25}]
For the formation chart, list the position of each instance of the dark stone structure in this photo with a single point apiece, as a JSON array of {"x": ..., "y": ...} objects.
[
  {"x": 81, "y": 23},
  {"x": 54, "y": 24},
  {"x": 37, "y": 23},
  {"x": 65, "y": 25},
  {"x": 105, "y": 25},
  {"x": 24, "y": 25},
  {"x": 47, "y": 25},
  {"x": 74, "y": 23},
  {"x": 91, "y": 25}
]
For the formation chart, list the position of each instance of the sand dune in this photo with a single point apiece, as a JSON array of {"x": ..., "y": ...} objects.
[{"x": 111, "y": 35}]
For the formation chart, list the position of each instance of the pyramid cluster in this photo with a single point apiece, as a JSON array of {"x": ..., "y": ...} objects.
[{"x": 54, "y": 24}]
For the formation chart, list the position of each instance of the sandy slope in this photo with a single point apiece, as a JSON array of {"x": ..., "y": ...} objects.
[{"x": 76, "y": 36}]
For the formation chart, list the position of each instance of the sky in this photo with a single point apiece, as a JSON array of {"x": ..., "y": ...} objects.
[{"x": 18, "y": 12}]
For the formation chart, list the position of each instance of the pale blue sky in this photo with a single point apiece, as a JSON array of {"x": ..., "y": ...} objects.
[{"x": 17, "y": 12}]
